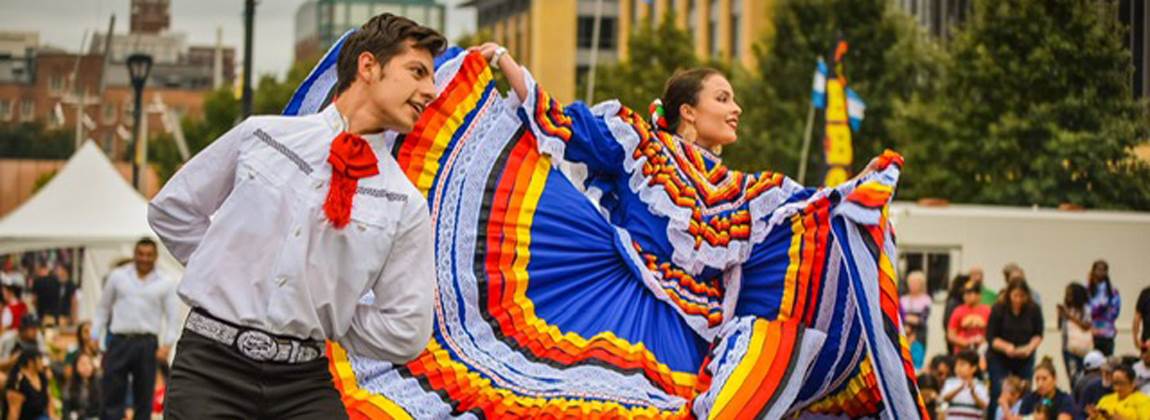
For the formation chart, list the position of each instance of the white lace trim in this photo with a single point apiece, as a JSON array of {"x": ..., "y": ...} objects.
[{"x": 691, "y": 259}]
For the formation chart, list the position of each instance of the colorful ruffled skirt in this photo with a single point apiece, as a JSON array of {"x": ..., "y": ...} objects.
[{"x": 546, "y": 309}]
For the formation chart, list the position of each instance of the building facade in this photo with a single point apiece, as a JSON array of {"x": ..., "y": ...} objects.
[
  {"x": 150, "y": 16},
  {"x": 319, "y": 23},
  {"x": 554, "y": 38},
  {"x": 91, "y": 93},
  {"x": 724, "y": 30},
  {"x": 938, "y": 17}
]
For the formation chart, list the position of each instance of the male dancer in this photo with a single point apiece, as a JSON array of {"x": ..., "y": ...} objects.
[{"x": 285, "y": 223}]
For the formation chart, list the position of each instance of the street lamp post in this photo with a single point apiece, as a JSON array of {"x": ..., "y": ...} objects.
[{"x": 139, "y": 65}]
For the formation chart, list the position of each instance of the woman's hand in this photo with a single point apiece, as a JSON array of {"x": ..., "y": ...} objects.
[
  {"x": 506, "y": 64},
  {"x": 487, "y": 50}
]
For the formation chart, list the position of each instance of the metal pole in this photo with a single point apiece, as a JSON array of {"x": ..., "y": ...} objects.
[
  {"x": 136, "y": 114},
  {"x": 81, "y": 101},
  {"x": 107, "y": 54},
  {"x": 76, "y": 90},
  {"x": 143, "y": 153},
  {"x": 806, "y": 144},
  {"x": 594, "y": 51},
  {"x": 249, "y": 23}
]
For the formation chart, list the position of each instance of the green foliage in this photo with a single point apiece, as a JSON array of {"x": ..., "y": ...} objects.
[
  {"x": 34, "y": 140},
  {"x": 43, "y": 180},
  {"x": 654, "y": 54},
  {"x": 890, "y": 60},
  {"x": 221, "y": 113},
  {"x": 1035, "y": 108}
]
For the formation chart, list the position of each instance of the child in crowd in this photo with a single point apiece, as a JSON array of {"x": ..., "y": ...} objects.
[
  {"x": 966, "y": 396},
  {"x": 928, "y": 388},
  {"x": 1010, "y": 402}
]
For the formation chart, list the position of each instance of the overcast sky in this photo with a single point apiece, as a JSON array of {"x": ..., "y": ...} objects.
[{"x": 62, "y": 23}]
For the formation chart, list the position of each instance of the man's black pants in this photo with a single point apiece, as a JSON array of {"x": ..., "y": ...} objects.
[
  {"x": 211, "y": 380},
  {"x": 131, "y": 355}
]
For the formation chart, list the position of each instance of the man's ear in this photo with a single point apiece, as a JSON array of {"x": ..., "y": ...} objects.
[{"x": 366, "y": 66}]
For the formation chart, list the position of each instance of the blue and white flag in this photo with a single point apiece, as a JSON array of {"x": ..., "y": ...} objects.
[
  {"x": 819, "y": 89},
  {"x": 856, "y": 109}
]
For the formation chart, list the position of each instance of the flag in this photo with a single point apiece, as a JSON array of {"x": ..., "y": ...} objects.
[
  {"x": 819, "y": 88},
  {"x": 856, "y": 109}
]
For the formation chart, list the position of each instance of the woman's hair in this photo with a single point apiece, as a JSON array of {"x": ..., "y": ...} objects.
[
  {"x": 927, "y": 382},
  {"x": 1076, "y": 295},
  {"x": 1126, "y": 370},
  {"x": 957, "y": 287},
  {"x": 1016, "y": 384},
  {"x": 1046, "y": 364},
  {"x": 1104, "y": 279},
  {"x": 81, "y": 339},
  {"x": 941, "y": 359},
  {"x": 1016, "y": 284},
  {"x": 27, "y": 356},
  {"x": 682, "y": 88}
]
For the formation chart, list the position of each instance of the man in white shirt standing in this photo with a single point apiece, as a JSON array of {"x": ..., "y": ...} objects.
[
  {"x": 286, "y": 223},
  {"x": 140, "y": 312}
]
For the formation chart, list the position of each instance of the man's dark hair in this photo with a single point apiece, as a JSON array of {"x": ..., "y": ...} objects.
[
  {"x": 146, "y": 242},
  {"x": 383, "y": 36}
]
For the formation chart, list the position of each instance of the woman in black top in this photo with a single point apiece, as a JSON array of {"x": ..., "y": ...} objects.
[
  {"x": 27, "y": 388},
  {"x": 82, "y": 395},
  {"x": 1014, "y": 332}
]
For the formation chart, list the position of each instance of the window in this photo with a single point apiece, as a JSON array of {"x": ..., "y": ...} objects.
[
  {"x": 635, "y": 12},
  {"x": 937, "y": 263},
  {"x": 127, "y": 109},
  {"x": 56, "y": 84},
  {"x": 736, "y": 22},
  {"x": 653, "y": 14},
  {"x": 341, "y": 16},
  {"x": 433, "y": 18},
  {"x": 109, "y": 113},
  {"x": 360, "y": 13},
  {"x": 692, "y": 20},
  {"x": 27, "y": 110},
  {"x": 713, "y": 27},
  {"x": 606, "y": 32},
  {"x": 5, "y": 110}
]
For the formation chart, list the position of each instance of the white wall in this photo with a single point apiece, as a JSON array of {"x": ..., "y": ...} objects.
[{"x": 1053, "y": 247}]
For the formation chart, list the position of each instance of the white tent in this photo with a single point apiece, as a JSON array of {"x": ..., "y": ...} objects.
[{"x": 89, "y": 205}]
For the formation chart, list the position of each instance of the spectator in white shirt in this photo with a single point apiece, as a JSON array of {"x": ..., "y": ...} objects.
[
  {"x": 140, "y": 312},
  {"x": 285, "y": 223}
]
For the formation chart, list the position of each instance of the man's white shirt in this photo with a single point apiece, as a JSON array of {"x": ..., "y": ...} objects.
[{"x": 246, "y": 217}]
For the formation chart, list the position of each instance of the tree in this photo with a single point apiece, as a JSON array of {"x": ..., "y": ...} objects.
[
  {"x": 890, "y": 61},
  {"x": 1035, "y": 108},
  {"x": 221, "y": 113},
  {"x": 33, "y": 140},
  {"x": 654, "y": 54}
]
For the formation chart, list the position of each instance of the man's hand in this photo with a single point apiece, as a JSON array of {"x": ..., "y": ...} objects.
[{"x": 162, "y": 353}]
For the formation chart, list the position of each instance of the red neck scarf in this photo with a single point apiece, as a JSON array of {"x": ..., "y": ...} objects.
[{"x": 351, "y": 158}]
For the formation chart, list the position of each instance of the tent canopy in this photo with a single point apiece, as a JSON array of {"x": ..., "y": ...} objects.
[{"x": 87, "y": 203}]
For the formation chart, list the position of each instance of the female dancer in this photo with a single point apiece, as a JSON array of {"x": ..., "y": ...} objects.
[{"x": 593, "y": 265}]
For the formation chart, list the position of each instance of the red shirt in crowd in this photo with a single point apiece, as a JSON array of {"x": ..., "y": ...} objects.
[
  {"x": 13, "y": 312},
  {"x": 969, "y": 322}
]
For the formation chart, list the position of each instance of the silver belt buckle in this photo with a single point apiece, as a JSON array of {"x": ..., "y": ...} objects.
[{"x": 257, "y": 345}]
